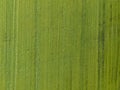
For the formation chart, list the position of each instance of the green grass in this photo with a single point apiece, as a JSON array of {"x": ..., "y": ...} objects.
[{"x": 59, "y": 45}]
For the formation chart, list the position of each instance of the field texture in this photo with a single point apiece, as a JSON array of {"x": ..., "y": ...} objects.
[{"x": 59, "y": 44}]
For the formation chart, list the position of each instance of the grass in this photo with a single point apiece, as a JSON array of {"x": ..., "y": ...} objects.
[{"x": 59, "y": 45}]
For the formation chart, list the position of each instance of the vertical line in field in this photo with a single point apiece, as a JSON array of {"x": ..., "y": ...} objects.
[
  {"x": 72, "y": 37},
  {"x": 58, "y": 55},
  {"x": 117, "y": 45},
  {"x": 14, "y": 12},
  {"x": 111, "y": 19},
  {"x": 36, "y": 45},
  {"x": 15, "y": 28},
  {"x": 7, "y": 42},
  {"x": 111, "y": 31},
  {"x": 101, "y": 33},
  {"x": 83, "y": 61},
  {"x": 6, "y": 47},
  {"x": 98, "y": 54},
  {"x": 118, "y": 49}
]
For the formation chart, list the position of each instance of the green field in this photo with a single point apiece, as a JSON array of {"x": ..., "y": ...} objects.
[{"x": 59, "y": 44}]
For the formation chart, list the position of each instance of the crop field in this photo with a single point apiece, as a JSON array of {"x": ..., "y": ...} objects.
[{"x": 59, "y": 44}]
